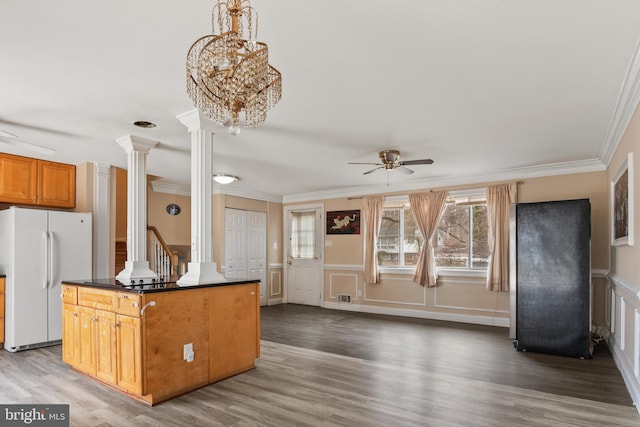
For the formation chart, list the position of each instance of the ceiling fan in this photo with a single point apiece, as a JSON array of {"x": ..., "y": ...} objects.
[{"x": 391, "y": 161}]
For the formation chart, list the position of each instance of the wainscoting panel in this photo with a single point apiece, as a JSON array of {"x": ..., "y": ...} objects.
[
  {"x": 469, "y": 294},
  {"x": 624, "y": 340},
  {"x": 396, "y": 290},
  {"x": 275, "y": 287},
  {"x": 343, "y": 283}
]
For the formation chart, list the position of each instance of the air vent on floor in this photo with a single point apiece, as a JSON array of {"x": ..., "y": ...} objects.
[{"x": 344, "y": 298}]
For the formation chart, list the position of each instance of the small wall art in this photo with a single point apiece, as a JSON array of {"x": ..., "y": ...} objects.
[
  {"x": 622, "y": 204},
  {"x": 343, "y": 222}
]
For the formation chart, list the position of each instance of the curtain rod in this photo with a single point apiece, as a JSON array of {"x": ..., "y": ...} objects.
[{"x": 360, "y": 197}]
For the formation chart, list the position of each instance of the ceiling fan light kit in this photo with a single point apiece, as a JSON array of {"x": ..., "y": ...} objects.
[
  {"x": 228, "y": 73},
  {"x": 391, "y": 161}
]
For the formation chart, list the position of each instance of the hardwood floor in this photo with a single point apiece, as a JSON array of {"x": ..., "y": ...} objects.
[{"x": 330, "y": 368}]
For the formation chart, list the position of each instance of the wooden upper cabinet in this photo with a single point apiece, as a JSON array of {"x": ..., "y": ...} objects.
[
  {"x": 18, "y": 179},
  {"x": 56, "y": 184},
  {"x": 27, "y": 181}
]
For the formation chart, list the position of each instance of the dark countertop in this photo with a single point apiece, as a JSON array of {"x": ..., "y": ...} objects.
[{"x": 146, "y": 288}]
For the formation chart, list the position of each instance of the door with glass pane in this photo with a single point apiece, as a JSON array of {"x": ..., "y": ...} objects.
[{"x": 303, "y": 254}]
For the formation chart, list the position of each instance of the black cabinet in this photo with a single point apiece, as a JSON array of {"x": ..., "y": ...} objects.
[{"x": 551, "y": 277}]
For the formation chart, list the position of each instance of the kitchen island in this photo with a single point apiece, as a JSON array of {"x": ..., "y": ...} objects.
[{"x": 155, "y": 341}]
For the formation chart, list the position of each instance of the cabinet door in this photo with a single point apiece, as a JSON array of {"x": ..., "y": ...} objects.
[
  {"x": 18, "y": 179},
  {"x": 106, "y": 346},
  {"x": 234, "y": 330},
  {"x": 56, "y": 184},
  {"x": 129, "y": 354},
  {"x": 70, "y": 334},
  {"x": 87, "y": 340}
]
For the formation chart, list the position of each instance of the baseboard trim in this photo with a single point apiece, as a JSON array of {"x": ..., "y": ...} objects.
[
  {"x": 627, "y": 373},
  {"x": 274, "y": 301},
  {"x": 433, "y": 315}
]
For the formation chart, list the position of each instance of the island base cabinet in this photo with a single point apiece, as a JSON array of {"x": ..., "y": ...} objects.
[
  {"x": 234, "y": 327},
  {"x": 129, "y": 354},
  {"x": 106, "y": 347},
  {"x": 101, "y": 343},
  {"x": 86, "y": 357},
  {"x": 107, "y": 335},
  {"x": 70, "y": 334}
]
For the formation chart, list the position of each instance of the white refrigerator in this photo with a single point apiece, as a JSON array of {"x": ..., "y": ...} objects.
[{"x": 39, "y": 249}]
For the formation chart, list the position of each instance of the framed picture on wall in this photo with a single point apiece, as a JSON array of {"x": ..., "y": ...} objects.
[
  {"x": 343, "y": 222},
  {"x": 622, "y": 204}
]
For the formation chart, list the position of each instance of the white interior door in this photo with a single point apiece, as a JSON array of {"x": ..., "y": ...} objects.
[
  {"x": 235, "y": 244},
  {"x": 257, "y": 250},
  {"x": 303, "y": 270},
  {"x": 246, "y": 247}
]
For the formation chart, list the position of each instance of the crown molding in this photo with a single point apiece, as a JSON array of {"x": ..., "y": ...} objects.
[
  {"x": 170, "y": 188},
  {"x": 185, "y": 190},
  {"x": 233, "y": 190},
  {"x": 625, "y": 108},
  {"x": 580, "y": 166}
]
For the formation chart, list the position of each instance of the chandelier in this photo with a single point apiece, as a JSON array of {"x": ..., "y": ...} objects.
[{"x": 229, "y": 72}]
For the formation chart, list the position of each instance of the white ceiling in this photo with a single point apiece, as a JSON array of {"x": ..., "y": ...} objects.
[{"x": 486, "y": 88}]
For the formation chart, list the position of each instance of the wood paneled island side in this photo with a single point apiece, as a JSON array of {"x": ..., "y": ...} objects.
[{"x": 158, "y": 341}]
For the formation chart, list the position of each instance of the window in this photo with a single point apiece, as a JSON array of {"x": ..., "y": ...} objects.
[
  {"x": 399, "y": 239},
  {"x": 462, "y": 237},
  {"x": 461, "y": 240},
  {"x": 303, "y": 231}
]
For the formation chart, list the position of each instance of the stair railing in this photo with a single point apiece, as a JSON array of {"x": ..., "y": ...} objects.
[{"x": 161, "y": 260}]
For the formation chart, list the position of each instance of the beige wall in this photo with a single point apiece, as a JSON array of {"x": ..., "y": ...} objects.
[
  {"x": 460, "y": 297},
  {"x": 174, "y": 229},
  {"x": 623, "y": 285},
  {"x": 84, "y": 187},
  {"x": 119, "y": 182},
  {"x": 594, "y": 186},
  {"x": 626, "y": 259}
]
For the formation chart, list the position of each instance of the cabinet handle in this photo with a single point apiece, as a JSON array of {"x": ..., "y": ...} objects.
[
  {"x": 115, "y": 325},
  {"x": 123, "y": 297},
  {"x": 74, "y": 314}
]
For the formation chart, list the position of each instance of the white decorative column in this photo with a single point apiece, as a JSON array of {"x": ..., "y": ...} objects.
[
  {"x": 101, "y": 221},
  {"x": 136, "y": 267},
  {"x": 201, "y": 269}
]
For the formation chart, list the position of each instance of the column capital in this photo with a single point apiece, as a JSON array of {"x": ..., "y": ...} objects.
[
  {"x": 132, "y": 143},
  {"x": 194, "y": 120}
]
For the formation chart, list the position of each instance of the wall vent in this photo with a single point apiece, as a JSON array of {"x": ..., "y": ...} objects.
[{"x": 344, "y": 298}]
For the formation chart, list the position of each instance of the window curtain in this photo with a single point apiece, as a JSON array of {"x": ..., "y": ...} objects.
[
  {"x": 372, "y": 215},
  {"x": 303, "y": 235},
  {"x": 499, "y": 198},
  {"x": 427, "y": 209}
]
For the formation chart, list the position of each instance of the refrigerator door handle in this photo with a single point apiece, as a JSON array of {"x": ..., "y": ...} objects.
[
  {"x": 51, "y": 258},
  {"x": 45, "y": 259}
]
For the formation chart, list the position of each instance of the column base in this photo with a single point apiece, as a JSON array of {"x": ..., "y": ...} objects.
[
  {"x": 201, "y": 273},
  {"x": 136, "y": 270}
]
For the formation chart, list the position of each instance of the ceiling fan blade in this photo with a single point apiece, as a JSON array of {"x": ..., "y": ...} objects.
[
  {"x": 26, "y": 145},
  {"x": 355, "y": 163},
  {"x": 416, "y": 162},
  {"x": 373, "y": 170},
  {"x": 404, "y": 170}
]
